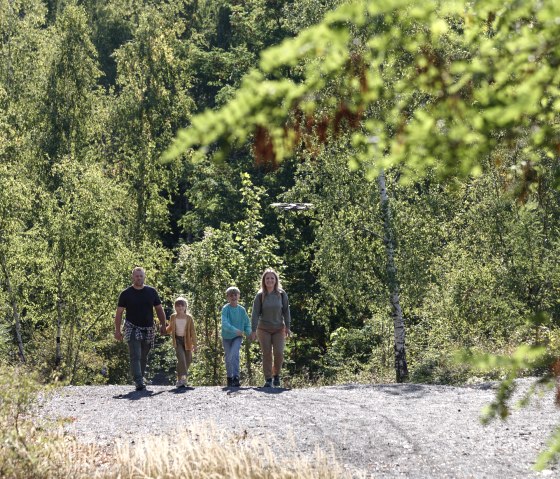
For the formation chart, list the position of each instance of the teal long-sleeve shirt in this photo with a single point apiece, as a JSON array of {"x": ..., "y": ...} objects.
[{"x": 233, "y": 320}]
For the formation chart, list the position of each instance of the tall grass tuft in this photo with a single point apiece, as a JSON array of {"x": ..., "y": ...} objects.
[
  {"x": 203, "y": 452},
  {"x": 200, "y": 452}
]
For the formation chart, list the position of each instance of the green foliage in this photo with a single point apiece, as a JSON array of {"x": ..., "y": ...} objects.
[
  {"x": 522, "y": 359},
  {"x": 434, "y": 368},
  {"x": 83, "y": 286},
  {"x": 72, "y": 76},
  {"x": 350, "y": 352},
  {"x": 356, "y": 343},
  {"x": 22, "y": 443},
  {"x": 153, "y": 80},
  {"x": 436, "y": 92},
  {"x": 346, "y": 250},
  {"x": 551, "y": 453},
  {"x": 226, "y": 42},
  {"x": 211, "y": 190}
]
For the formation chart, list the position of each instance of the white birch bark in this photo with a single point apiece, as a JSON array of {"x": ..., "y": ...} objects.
[
  {"x": 58, "y": 356},
  {"x": 15, "y": 309},
  {"x": 401, "y": 368}
]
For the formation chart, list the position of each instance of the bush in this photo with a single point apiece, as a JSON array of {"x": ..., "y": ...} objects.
[
  {"x": 22, "y": 442},
  {"x": 440, "y": 369}
]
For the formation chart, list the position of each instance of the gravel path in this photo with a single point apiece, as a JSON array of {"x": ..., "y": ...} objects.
[{"x": 385, "y": 431}]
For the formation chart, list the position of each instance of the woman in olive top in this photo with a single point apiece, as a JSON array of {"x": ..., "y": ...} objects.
[{"x": 271, "y": 325}]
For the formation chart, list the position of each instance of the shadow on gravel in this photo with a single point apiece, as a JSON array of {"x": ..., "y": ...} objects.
[
  {"x": 233, "y": 389},
  {"x": 487, "y": 386},
  {"x": 417, "y": 390},
  {"x": 271, "y": 390},
  {"x": 180, "y": 390},
  {"x": 136, "y": 395}
]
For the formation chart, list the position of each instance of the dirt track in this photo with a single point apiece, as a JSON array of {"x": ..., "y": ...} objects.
[{"x": 405, "y": 430}]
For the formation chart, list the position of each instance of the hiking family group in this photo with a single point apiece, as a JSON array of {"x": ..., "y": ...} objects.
[{"x": 269, "y": 323}]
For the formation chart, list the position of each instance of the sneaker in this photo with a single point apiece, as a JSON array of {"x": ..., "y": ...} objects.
[
  {"x": 235, "y": 382},
  {"x": 140, "y": 387},
  {"x": 268, "y": 383},
  {"x": 276, "y": 381},
  {"x": 180, "y": 383},
  {"x": 229, "y": 382}
]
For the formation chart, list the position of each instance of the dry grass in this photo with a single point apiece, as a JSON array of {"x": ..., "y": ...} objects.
[
  {"x": 201, "y": 452},
  {"x": 45, "y": 453},
  {"x": 204, "y": 452}
]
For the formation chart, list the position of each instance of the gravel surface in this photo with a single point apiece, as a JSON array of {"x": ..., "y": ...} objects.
[{"x": 384, "y": 431}]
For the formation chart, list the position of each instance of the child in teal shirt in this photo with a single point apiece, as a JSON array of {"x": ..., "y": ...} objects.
[{"x": 235, "y": 322}]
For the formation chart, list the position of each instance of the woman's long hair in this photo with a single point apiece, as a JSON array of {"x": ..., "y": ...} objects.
[{"x": 277, "y": 286}]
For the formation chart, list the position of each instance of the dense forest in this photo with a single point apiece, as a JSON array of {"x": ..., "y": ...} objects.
[{"x": 465, "y": 237}]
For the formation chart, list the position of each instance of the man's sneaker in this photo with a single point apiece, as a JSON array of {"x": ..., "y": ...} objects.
[
  {"x": 268, "y": 383},
  {"x": 276, "y": 381},
  {"x": 235, "y": 382},
  {"x": 140, "y": 387},
  {"x": 229, "y": 382},
  {"x": 180, "y": 383}
]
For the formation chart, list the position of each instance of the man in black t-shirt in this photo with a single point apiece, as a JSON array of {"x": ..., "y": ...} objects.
[{"x": 139, "y": 301}]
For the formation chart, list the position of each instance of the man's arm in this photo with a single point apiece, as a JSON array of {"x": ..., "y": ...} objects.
[
  {"x": 118, "y": 321},
  {"x": 161, "y": 316}
]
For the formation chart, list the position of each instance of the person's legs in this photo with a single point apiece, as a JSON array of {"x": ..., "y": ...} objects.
[
  {"x": 265, "y": 340},
  {"x": 188, "y": 360},
  {"x": 181, "y": 357},
  {"x": 135, "y": 352},
  {"x": 227, "y": 358},
  {"x": 145, "y": 347},
  {"x": 278, "y": 343},
  {"x": 234, "y": 355},
  {"x": 234, "y": 359}
]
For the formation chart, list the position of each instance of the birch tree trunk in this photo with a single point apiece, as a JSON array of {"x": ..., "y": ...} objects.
[
  {"x": 58, "y": 356},
  {"x": 217, "y": 337},
  {"x": 401, "y": 368},
  {"x": 248, "y": 364},
  {"x": 15, "y": 309}
]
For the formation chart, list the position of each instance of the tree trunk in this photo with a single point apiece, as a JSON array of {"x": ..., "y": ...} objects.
[
  {"x": 58, "y": 356},
  {"x": 401, "y": 368},
  {"x": 15, "y": 309},
  {"x": 82, "y": 338},
  {"x": 75, "y": 359},
  {"x": 217, "y": 337},
  {"x": 248, "y": 361}
]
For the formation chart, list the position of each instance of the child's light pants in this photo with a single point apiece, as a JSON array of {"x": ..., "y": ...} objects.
[{"x": 231, "y": 350}]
